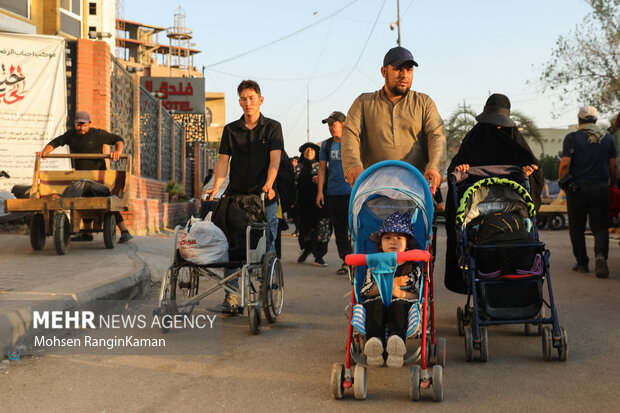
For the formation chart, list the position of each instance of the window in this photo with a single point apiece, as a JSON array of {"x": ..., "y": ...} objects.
[
  {"x": 93, "y": 30},
  {"x": 15, "y": 6},
  {"x": 92, "y": 9}
]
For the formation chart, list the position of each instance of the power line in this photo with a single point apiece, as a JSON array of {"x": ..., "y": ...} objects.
[
  {"x": 282, "y": 38},
  {"x": 358, "y": 58},
  {"x": 280, "y": 79}
]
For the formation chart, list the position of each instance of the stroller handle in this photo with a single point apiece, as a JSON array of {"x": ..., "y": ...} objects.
[{"x": 403, "y": 256}]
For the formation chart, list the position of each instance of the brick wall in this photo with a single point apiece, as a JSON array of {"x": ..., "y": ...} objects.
[{"x": 149, "y": 210}]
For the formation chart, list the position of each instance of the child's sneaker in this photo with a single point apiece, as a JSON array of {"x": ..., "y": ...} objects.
[
  {"x": 396, "y": 350},
  {"x": 374, "y": 352}
]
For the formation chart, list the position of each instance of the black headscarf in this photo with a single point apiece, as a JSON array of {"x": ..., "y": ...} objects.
[{"x": 486, "y": 144}]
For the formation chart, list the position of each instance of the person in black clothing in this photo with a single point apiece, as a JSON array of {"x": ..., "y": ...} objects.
[
  {"x": 84, "y": 139},
  {"x": 208, "y": 177},
  {"x": 494, "y": 140},
  {"x": 314, "y": 225},
  {"x": 589, "y": 155}
]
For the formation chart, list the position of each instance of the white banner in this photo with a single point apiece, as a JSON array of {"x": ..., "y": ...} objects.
[{"x": 33, "y": 103}]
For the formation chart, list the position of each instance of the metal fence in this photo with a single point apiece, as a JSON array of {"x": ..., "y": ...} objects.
[
  {"x": 149, "y": 126},
  {"x": 178, "y": 153},
  {"x": 166, "y": 146},
  {"x": 121, "y": 104}
]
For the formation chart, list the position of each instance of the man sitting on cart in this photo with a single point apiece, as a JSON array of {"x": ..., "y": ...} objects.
[{"x": 84, "y": 139}]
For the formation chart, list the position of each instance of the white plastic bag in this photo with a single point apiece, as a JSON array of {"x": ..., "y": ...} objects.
[{"x": 202, "y": 242}]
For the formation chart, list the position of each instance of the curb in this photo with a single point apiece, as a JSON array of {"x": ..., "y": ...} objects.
[{"x": 15, "y": 324}]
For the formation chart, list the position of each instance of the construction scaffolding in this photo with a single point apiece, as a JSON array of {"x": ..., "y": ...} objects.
[{"x": 179, "y": 55}]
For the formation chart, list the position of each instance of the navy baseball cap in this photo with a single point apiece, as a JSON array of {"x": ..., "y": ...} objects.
[
  {"x": 397, "y": 56},
  {"x": 82, "y": 117}
]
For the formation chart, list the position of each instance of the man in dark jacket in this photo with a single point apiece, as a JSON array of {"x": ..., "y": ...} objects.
[
  {"x": 84, "y": 139},
  {"x": 589, "y": 155}
]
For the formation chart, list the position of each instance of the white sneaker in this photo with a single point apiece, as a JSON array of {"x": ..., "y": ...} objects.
[
  {"x": 396, "y": 350},
  {"x": 374, "y": 352}
]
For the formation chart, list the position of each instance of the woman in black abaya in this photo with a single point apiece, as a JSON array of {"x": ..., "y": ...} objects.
[{"x": 494, "y": 140}]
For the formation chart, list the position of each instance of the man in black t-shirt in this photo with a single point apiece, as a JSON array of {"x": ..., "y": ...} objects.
[{"x": 84, "y": 139}]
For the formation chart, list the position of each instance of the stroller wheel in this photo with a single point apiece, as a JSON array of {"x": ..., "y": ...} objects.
[
  {"x": 469, "y": 344},
  {"x": 440, "y": 352},
  {"x": 546, "y": 343},
  {"x": 437, "y": 383},
  {"x": 563, "y": 349},
  {"x": 484, "y": 345},
  {"x": 460, "y": 322},
  {"x": 414, "y": 385},
  {"x": 360, "y": 382},
  {"x": 337, "y": 380}
]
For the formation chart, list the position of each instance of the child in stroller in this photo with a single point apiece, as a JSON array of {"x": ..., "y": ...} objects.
[{"x": 394, "y": 235}]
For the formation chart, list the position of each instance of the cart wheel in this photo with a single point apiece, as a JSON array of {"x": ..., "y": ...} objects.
[
  {"x": 469, "y": 344},
  {"x": 109, "y": 230},
  {"x": 563, "y": 350},
  {"x": 441, "y": 352},
  {"x": 337, "y": 381},
  {"x": 557, "y": 222},
  {"x": 272, "y": 288},
  {"x": 414, "y": 384},
  {"x": 460, "y": 323},
  {"x": 37, "y": 232},
  {"x": 61, "y": 233},
  {"x": 437, "y": 383},
  {"x": 165, "y": 308},
  {"x": 484, "y": 345},
  {"x": 546, "y": 343},
  {"x": 254, "y": 317},
  {"x": 360, "y": 382},
  {"x": 529, "y": 329}
]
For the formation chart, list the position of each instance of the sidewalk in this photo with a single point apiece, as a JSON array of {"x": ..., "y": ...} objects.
[{"x": 86, "y": 273}]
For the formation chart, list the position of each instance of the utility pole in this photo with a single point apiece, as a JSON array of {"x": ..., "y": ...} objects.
[
  {"x": 308, "y": 107},
  {"x": 397, "y": 22},
  {"x": 464, "y": 107}
]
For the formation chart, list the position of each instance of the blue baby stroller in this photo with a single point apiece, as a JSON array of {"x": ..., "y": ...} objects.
[
  {"x": 502, "y": 260},
  {"x": 382, "y": 189}
]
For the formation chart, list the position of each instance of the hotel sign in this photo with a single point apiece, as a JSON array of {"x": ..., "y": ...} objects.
[{"x": 178, "y": 94}]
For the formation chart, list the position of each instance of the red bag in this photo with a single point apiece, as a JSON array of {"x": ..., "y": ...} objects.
[{"x": 614, "y": 202}]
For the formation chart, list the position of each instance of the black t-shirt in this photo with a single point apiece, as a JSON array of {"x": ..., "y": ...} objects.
[
  {"x": 91, "y": 142},
  {"x": 249, "y": 151}
]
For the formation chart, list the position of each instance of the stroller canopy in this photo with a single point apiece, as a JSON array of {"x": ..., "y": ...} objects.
[
  {"x": 382, "y": 189},
  {"x": 492, "y": 195}
]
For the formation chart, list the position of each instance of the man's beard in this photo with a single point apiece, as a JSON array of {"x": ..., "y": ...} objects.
[{"x": 399, "y": 90}]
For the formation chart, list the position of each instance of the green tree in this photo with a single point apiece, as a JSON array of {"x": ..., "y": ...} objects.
[
  {"x": 528, "y": 129},
  {"x": 457, "y": 126},
  {"x": 585, "y": 64},
  {"x": 550, "y": 165}
]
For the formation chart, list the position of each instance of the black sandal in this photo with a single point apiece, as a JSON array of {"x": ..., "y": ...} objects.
[{"x": 342, "y": 270}]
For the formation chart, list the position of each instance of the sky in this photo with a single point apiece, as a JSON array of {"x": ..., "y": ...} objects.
[{"x": 329, "y": 52}]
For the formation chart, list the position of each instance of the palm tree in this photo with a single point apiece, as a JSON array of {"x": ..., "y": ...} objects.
[
  {"x": 528, "y": 129},
  {"x": 457, "y": 126}
]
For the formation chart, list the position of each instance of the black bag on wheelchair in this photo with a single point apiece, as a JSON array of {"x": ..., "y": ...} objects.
[{"x": 232, "y": 215}]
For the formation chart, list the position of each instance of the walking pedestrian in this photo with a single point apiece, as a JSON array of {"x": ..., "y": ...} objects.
[
  {"x": 587, "y": 169},
  {"x": 338, "y": 190},
  {"x": 396, "y": 123}
]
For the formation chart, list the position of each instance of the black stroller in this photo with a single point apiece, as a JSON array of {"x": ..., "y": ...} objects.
[{"x": 502, "y": 260}]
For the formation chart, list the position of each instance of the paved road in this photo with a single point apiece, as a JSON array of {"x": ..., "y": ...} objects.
[{"x": 287, "y": 366}]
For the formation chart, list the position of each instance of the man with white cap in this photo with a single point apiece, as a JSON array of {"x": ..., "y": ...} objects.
[
  {"x": 587, "y": 168},
  {"x": 395, "y": 123}
]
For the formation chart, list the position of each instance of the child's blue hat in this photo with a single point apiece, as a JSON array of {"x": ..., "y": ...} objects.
[{"x": 396, "y": 222}]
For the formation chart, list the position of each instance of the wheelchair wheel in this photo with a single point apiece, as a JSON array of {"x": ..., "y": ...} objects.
[
  {"x": 469, "y": 344},
  {"x": 254, "y": 316},
  {"x": 61, "y": 233},
  {"x": 37, "y": 232},
  {"x": 183, "y": 287},
  {"x": 109, "y": 230},
  {"x": 546, "y": 343},
  {"x": 484, "y": 345},
  {"x": 272, "y": 287},
  {"x": 563, "y": 349}
]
